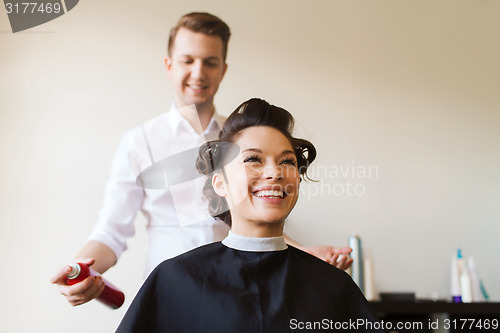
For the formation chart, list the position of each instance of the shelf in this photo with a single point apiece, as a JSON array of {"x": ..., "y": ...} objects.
[{"x": 429, "y": 307}]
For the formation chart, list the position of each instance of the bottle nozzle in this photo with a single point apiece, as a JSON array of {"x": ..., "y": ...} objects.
[{"x": 75, "y": 271}]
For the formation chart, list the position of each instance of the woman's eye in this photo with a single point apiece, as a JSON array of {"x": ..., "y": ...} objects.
[
  {"x": 252, "y": 159},
  {"x": 289, "y": 161}
]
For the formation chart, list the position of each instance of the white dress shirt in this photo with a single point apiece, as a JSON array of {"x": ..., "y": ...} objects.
[{"x": 177, "y": 218}]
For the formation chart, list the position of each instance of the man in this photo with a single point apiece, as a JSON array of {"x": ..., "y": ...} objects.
[{"x": 196, "y": 64}]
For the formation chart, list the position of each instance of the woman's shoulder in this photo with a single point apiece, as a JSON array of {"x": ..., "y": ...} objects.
[{"x": 312, "y": 263}]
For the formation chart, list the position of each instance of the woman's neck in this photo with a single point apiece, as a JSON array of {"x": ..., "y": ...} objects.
[{"x": 257, "y": 229}]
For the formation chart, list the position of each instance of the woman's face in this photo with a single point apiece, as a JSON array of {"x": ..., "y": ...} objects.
[{"x": 261, "y": 185}]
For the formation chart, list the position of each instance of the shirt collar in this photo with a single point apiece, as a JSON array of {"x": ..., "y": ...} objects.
[
  {"x": 254, "y": 244},
  {"x": 176, "y": 121},
  {"x": 218, "y": 120}
]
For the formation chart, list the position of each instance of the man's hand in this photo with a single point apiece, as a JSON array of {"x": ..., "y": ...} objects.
[
  {"x": 336, "y": 256},
  {"x": 81, "y": 292}
]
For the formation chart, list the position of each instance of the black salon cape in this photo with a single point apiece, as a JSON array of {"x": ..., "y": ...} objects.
[{"x": 214, "y": 288}]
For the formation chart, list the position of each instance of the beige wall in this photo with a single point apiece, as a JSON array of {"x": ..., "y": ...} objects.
[{"x": 408, "y": 88}]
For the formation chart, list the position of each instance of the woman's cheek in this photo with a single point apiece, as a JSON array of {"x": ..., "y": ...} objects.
[{"x": 240, "y": 188}]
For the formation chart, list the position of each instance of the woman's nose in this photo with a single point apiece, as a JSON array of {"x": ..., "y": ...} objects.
[{"x": 273, "y": 172}]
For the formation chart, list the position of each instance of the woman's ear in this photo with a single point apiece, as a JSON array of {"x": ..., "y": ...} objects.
[{"x": 219, "y": 185}]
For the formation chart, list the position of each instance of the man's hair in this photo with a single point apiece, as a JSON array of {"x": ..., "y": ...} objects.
[{"x": 204, "y": 23}]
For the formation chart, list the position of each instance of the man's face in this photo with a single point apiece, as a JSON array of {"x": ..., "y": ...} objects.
[{"x": 196, "y": 67}]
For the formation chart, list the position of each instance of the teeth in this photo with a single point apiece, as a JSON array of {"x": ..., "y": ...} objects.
[{"x": 269, "y": 194}]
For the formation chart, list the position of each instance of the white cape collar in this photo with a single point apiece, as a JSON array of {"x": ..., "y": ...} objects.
[{"x": 254, "y": 244}]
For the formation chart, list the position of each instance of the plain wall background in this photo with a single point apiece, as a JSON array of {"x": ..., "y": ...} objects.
[{"x": 409, "y": 88}]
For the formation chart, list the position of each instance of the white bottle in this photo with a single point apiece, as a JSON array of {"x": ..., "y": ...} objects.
[
  {"x": 357, "y": 264},
  {"x": 477, "y": 294},
  {"x": 465, "y": 283},
  {"x": 368, "y": 280},
  {"x": 456, "y": 293}
]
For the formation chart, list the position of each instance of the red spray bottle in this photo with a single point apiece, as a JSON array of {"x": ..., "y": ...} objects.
[{"x": 111, "y": 296}]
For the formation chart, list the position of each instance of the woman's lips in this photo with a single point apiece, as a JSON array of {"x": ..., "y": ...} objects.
[{"x": 269, "y": 194}]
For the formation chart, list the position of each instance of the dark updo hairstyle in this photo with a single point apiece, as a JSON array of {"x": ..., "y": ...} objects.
[{"x": 254, "y": 112}]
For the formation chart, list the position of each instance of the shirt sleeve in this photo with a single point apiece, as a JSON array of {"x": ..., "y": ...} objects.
[{"x": 122, "y": 200}]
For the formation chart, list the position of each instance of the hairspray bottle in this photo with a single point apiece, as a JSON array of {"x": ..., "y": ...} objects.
[{"x": 111, "y": 296}]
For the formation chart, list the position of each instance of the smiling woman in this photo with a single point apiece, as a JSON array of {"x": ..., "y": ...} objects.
[
  {"x": 252, "y": 281},
  {"x": 261, "y": 184},
  {"x": 264, "y": 177}
]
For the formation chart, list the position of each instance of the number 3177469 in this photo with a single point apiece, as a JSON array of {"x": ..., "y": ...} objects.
[
  {"x": 33, "y": 8},
  {"x": 472, "y": 324}
]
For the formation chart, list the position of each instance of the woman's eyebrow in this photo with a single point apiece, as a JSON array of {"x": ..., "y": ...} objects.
[
  {"x": 286, "y": 152},
  {"x": 257, "y": 150}
]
